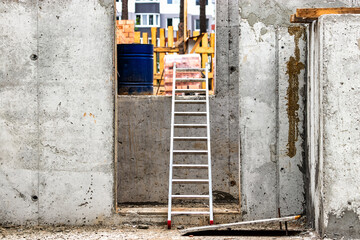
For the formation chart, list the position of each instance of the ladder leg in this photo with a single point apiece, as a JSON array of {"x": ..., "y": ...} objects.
[
  {"x": 209, "y": 147},
  {"x": 171, "y": 147}
]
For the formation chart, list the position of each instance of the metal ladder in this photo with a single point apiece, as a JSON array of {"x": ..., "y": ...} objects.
[{"x": 175, "y": 101}]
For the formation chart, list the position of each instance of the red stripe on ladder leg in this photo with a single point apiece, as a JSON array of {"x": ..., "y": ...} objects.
[
  {"x": 211, "y": 222},
  {"x": 169, "y": 224}
]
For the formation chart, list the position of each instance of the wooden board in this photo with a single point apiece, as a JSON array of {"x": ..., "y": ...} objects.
[
  {"x": 197, "y": 43},
  {"x": 153, "y": 42},
  {"x": 136, "y": 37},
  {"x": 145, "y": 38},
  {"x": 204, "y": 56},
  {"x": 207, "y": 50},
  {"x": 307, "y": 15},
  {"x": 162, "y": 44},
  {"x": 166, "y": 49},
  {"x": 228, "y": 225}
]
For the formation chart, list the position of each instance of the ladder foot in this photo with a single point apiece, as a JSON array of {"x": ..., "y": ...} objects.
[
  {"x": 211, "y": 222},
  {"x": 169, "y": 224}
]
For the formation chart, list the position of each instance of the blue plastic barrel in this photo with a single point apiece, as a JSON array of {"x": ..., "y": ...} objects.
[{"x": 135, "y": 69}]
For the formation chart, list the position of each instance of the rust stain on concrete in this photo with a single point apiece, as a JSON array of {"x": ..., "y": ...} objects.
[{"x": 294, "y": 66}]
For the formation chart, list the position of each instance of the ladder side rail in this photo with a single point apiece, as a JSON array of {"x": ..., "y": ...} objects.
[
  {"x": 171, "y": 145},
  {"x": 209, "y": 146}
]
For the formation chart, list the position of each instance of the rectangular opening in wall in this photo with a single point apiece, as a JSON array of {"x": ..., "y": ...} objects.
[{"x": 151, "y": 30}]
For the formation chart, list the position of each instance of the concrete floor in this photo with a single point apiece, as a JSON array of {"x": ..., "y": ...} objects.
[{"x": 133, "y": 232}]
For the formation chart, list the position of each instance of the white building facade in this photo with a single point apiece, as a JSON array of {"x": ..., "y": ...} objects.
[{"x": 164, "y": 13}]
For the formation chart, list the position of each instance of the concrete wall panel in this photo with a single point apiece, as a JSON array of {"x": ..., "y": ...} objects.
[
  {"x": 18, "y": 113},
  {"x": 340, "y": 100},
  {"x": 258, "y": 120},
  {"x": 269, "y": 130},
  {"x": 56, "y": 116},
  {"x": 75, "y": 111},
  {"x": 291, "y": 130}
]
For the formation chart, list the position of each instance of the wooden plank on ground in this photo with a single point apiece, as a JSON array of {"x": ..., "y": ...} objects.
[
  {"x": 137, "y": 37},
  {"x": 228, "y": 225},
  {"x": 306, "y": 15}
]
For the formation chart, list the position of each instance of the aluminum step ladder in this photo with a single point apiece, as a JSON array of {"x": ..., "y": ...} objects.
[{"x": 176, "y": 100}]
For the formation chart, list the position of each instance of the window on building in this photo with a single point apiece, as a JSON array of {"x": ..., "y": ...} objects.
[
  {"x": 198, "y": 2},
  {"x": 169, "y": 22},
  {"x": 173, "y": 1},
  {"x": 144, "y": 19},
  {"x": 138, "y": 20},
  {"x": 197, "y": 24},
  {"x": 173, "y": 22},
  {"x": 147, "y": 20}
]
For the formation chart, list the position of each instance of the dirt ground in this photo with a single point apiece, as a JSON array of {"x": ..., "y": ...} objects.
[{"x": 137, "y": 232}]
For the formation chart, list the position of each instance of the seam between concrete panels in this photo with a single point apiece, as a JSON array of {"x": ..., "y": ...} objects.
[
  {"x": 277, "y": 124},
  {"x": 38, "y": 113},
  {"x": 115, "y": 119}
]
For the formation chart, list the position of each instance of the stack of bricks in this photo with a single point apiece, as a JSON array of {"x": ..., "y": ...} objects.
[
  {"x": 182, "y": 61},
  {"x": 125, "y": 31}
]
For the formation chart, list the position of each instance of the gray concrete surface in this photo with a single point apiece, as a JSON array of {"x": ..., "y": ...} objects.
[
  {"x": 334, "y": 125},
  {"x": 144, "y": 133},
  {"x": 272, "y": 106},
  {"x": 56, "y": 112}
]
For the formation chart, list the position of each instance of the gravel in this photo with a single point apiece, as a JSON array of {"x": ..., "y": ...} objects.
[{"x": 119, "y": 232}]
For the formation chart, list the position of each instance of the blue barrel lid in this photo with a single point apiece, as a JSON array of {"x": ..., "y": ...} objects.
[{"x": 135, "y": 48}]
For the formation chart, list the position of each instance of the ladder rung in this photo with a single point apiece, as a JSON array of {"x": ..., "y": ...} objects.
[
  {"x": 190, "y": 69},
  {"x": 189, "y": 213},
  {"x": 190, "y": 196},
  {"x": 190, "y": 90},
  {"x": 191, "y": 79},
  {"x": 190, "y": 113},
  {"x": 190, "y": 125},
  {"x": 190, "y": 165},
  {"x": 190, "y": 180},
  {"x": 190, "y": 151},
  {"x": 190, "y": 101},
  {"x": 190, "y": 138}
]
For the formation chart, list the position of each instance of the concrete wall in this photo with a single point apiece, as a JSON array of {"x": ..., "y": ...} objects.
[
  {"x": 56, "y": 116},
  {"x": 334, "y": 117},
  {"x": 56, "y": 111},
  {"x": 272, "y": 110}
]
